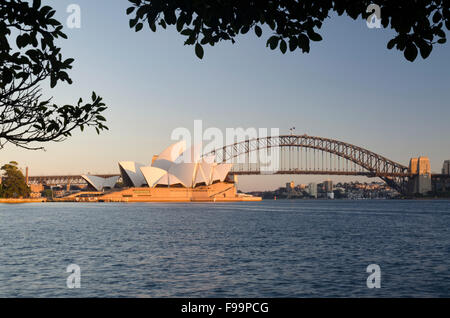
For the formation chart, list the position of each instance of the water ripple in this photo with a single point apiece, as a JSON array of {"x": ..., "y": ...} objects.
[{"x": 263, "y": 249}]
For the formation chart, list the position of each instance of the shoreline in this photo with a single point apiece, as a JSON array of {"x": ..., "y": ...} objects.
[
  {"x": 45, "y": 200},
  {"x": 19, "y": 201}
]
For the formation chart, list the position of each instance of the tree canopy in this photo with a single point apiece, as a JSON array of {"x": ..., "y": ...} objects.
[
  {"x": 13, "y": 184},
  {"x": 29, "y": 57},
  {"x": 418, "y": 24}
]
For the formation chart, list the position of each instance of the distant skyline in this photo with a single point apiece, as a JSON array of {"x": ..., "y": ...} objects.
[{"x": 350, "y": 87}]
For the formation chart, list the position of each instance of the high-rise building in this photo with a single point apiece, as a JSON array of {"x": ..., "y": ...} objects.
[
  {"x": 420, "y": 166},
  {"x": 328, "y": 186},
  {"x": 312, "y": 190},
  {"x": 421, "y": 182},
  {"x": 446, "y": 167}
]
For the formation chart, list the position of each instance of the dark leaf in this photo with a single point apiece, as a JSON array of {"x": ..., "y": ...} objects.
[
  {"x": 314, "y": 36},
  {"x": 36, "y": 4},
  {"x": 292, "y": 44},
  {"x": 437, "y": 17},
  {"x": 152, "y": 26},
  {"x": 133, "y": 22},
  {"x": 425, "y": 50},
  {"x": 391, "y": 44},
  {"x": 273, "y": 42},
  {"x": 199, "y": 51},
  {"x": 245, "y": 29},
  {"x": 258, "y": 31},
  {"x": 410, "y": 52},
  {"x": 283, "y": 46}
]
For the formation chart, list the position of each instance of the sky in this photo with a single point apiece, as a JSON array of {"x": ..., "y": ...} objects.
[{"x": 350, "y": 87}]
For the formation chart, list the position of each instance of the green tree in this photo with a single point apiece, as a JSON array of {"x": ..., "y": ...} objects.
[
  {"x": 14, "y": 184},
  {"x": 47, "y": 193},
  {"x": 29, "y": 57},
  {"x": 418, "y": 24}
]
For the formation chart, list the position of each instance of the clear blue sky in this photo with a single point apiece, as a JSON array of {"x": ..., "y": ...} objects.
[{"x": 350, "y": 87}]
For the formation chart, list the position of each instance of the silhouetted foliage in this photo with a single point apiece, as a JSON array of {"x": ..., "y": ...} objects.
[
  {"x": 13, "y": 184},
  {"x": 47, "y": 193},
  {"x": 419, "y": 24},
  {"x": 29, "y": 56}
]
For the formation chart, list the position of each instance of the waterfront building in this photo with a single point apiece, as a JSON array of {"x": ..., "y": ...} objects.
[
  {"x": 420, "y": 165},
  {"x": 328, "y": 186},
  {"x": 446, "y": 167},
  {"x": 175, "y": 175},
  {"x": 421, "y": 182},
  {"x": 179, "y": 167},
  {"x": 59, "y": 192},
  {"x": 35, "y": 190},
  {"x": 312, "y": 190}
]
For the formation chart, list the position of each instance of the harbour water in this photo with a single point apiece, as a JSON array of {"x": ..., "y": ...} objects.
[{"x": 262, "y": 249}]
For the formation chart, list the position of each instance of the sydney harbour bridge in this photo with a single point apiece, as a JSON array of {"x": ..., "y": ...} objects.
[
  {"x": 303, "y": 154},
  {"x": 295, "y": 154}
]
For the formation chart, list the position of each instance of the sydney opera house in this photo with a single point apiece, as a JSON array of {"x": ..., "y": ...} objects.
[{"x": 177, "y": 174}]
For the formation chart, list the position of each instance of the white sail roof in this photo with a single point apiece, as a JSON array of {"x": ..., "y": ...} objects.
[
  {"x": 166, "y": 158},
  {"x": 191, "y": 155},
  {"x": 99, "y": 183},
  {"x": 169, "y": 179},
  {"x": 205, "y": 170},
  {"x": 152, "y": 175},
  {"x": 221, "y": 171},
  {"x": 175, "y": 165},
  {"x": 131, "y": 172},
  {"x": 184, "y": 172}
]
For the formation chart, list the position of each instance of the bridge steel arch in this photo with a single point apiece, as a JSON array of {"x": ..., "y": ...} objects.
[{"x": 394, "y": 174}]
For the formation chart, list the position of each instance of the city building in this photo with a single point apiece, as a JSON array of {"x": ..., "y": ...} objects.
[
  {"x": 36, "y": 190},
  {"x": 312, "y": 190},
  {"x": 59, "y": 192},
  {"x": 420, "y": 166},
  {"x": 421, "y": 182},
  {"x": 328, "y": 186},
  {"x": 446, "y": 167}
]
